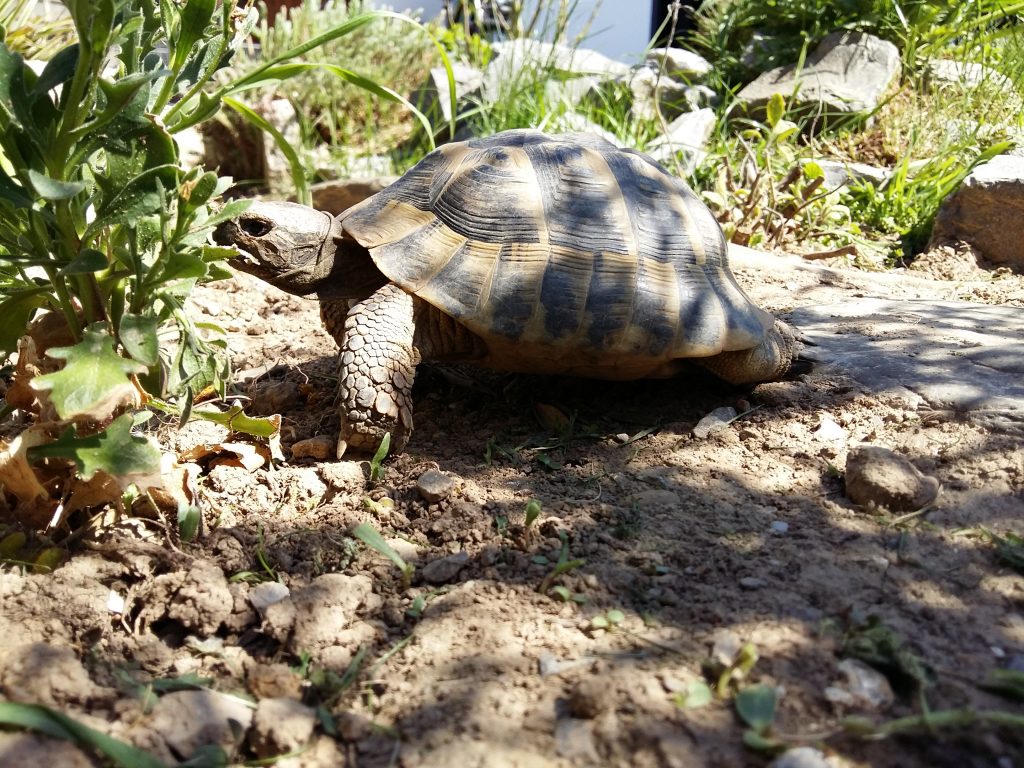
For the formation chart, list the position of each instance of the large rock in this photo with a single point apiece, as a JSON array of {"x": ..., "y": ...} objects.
[
  {"x": 516, "y": 59},
  {"x": 678, "y": 63},
  {"x": 946, "y": 355},
  {"x": 987, "y": 211},
  {"x": 433, "y": 98},
  {"x": 939, "y": 73},
  {"x": 653, "y": 91},
  {"x": 686, "y": 138},
  {"x": 847, "y": 74}
]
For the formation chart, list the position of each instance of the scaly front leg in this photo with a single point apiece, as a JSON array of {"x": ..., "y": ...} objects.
[{"x": 378, "y": 365}]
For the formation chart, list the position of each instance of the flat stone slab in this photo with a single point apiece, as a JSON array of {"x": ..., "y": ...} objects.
[{"x": 953, "y": 355}]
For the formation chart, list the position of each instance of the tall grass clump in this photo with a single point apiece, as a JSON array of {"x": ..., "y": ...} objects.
[{"x": 335, "y": 112}]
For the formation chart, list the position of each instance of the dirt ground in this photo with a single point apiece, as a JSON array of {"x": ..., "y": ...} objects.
[{"x": 703, "y": 545}]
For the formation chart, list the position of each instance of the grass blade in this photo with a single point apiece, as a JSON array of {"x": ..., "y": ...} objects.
[{"x": 58, "y": 725}]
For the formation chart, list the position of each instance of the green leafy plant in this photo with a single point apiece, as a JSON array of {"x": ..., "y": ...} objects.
[
  {"x": 104, "y": 232},
  {"x": 101, "y": 225},
  {"x": 767, "y": 190},
  {"x": 905, "y": 205}
]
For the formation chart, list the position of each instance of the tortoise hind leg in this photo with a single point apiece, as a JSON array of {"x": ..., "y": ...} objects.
[
  {"x": 768, "y": 361},
  {"x": 377, "y": 367}
]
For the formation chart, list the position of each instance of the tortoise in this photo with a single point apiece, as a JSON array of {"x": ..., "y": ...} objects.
[{"x": 522, "y": 252}]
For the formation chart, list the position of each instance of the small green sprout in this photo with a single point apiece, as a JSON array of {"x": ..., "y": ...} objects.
[
  {"x": 376, "y": 463},
  {"x": 371, "y": 537},
  {"x": 608, "y": 620},
  {"x": 564, "y": 565}
]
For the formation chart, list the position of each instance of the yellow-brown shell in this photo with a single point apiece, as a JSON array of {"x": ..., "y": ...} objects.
[{"x": 563, "y": 242}]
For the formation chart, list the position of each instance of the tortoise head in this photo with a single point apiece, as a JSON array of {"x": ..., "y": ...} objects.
[{"x": 291, "y": 246}]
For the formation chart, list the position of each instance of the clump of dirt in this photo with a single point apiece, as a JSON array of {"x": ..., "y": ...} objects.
[{"x": 666, "y": 549}]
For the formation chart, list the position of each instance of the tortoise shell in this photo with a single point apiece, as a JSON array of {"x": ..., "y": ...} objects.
[{"x": 560, "y": 241}]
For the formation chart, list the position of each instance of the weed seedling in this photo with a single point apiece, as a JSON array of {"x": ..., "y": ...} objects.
[
  {"x": 371, "y": 537},
  {"x": 697, "y": 694},
  {"x": 727, "y": 675},
  {"x": 564, "y": 565},
  {"x": 608, "y": 620},
  {"x": 532, "y": 513},
  {"x": 756, "y": 707},
  {"x": 376, "y": 463}
]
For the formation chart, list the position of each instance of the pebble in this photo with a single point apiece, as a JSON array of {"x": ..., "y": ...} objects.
[
  {"x": 434, "y": 486},
  {"x": 265, "y": 594},
  {"x": 828, "y": 431},
  {"x": 622, "y": 437},
  {"x": 752, "y": 582},
  {"x": 779, "y": 526},
  {"x": 725, "y": 647},
  {"x": 803, "y": 757},
  {"x": 716, "y": 421},
  {"x": 863, "y": 687},
  {"x": 879, "y": 477},
  {"x": 344, "y": 475},
  {"x": 444, "y": 570},
  {"x": 321, "y": 447}
]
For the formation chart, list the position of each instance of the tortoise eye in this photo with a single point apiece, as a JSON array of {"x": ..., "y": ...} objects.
[{"x": 255, "y": 227}]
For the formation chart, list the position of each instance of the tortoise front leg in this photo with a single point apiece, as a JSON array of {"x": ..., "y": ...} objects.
[{"x": 377, "y": 367}]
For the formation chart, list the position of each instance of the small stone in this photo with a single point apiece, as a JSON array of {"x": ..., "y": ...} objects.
[
  {"x": 622, "y": 437},
  {"x": 434, "y": 486},
  {"x": 188, "y": 720},
  {"x": 752, "y": 582},
  {"x": 265, "y": 594},
  {"x": 574, "y": 739},
  {"x": 590, "y": 697},
  {"x": 444, "y": 570},
  {"x": 716, "y": 421},
  {"x": 725, "y": 647},
  {"x": 321, "y": 447},
  {"x": 829, "y": 431},
  {"x": 879, "y": 477},
  {"x": 281, "y": 726},
  {"x": 866, "y": 686},
  {"x": 779, "y": 526},
  {"x": 347, "y": 476},
  {"x": 803, "y": 757}
]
